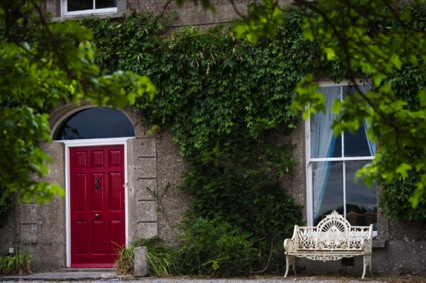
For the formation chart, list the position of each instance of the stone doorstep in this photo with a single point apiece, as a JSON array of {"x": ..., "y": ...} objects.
[
  {"x": 69, "y": 274},
  {"x": 69, "y": 269},
  {"x": 140, "y": 270}
]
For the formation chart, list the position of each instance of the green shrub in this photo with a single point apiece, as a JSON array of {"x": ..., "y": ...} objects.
[
  {"x": 215, "y": 248},
  {"x": 162, "y": 260},
  {"x": 17, "y": 264},
  {"x": 249, "y": 199}
]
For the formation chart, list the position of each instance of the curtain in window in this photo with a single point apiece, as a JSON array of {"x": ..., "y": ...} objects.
[
  {"x": 371, "y": 144},
  {"x": 322, "y": 144}
]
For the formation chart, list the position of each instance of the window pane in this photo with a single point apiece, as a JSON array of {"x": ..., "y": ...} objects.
[
  {"x": 346, "y": 90},
  {"x": 96, "y": 123},
  {"x": 337, "y": 152},
  {"x": 361, "y": 201},
  {"x": 78, "y": 5},
  {"x": 100, "y": 4},
  {"x": 356, "y": 144},
  {"x": 327, "y": 182}
]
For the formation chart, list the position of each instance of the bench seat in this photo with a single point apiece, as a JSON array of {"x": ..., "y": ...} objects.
[{"x": 332, "y": 239}]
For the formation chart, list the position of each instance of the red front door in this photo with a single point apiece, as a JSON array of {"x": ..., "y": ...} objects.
[{"x": 97, "y": 205}]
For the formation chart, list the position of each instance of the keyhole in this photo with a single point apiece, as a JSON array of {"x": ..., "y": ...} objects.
[{"x": 97, "y": 185}]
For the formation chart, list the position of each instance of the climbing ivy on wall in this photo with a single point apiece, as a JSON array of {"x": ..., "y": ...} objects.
[
  {"x": 226, "y": 102},
  {"x": 394, "y": 197}
]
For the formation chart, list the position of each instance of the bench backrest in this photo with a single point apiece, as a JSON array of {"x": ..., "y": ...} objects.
[{"x": 332, "y": 233}]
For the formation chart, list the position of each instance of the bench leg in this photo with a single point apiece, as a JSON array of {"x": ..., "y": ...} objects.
[
  {"x": 290, "y": 260},
  {"x": 366, "y": 261}
]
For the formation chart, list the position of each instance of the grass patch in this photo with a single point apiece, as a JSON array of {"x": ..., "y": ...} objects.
[
  {"x": 17, "y": 264},
  {"x": 162, "y": 260}
]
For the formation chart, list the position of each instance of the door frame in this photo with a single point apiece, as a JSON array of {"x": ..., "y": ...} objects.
[{"x": 91, "y": 142}]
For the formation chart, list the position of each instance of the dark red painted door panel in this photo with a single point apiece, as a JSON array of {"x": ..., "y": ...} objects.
[{"x": 97, "y": 205}]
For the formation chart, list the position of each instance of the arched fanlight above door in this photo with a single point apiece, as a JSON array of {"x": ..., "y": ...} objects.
[{"x": 95, "y": 123}]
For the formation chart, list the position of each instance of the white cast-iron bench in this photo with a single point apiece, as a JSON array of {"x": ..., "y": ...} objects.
[{"x": 332, "y": 239}]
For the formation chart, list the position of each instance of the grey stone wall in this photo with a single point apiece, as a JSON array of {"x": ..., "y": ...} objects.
[
  {"x": 172, "y": 203},
  {"x": 142, "y": 173},
  {"x": 155, "y": 204},
  {"x": 298, "y": 180},
  {"x": 6, "y": 235},
  {"x": 42, "y": 234},
  {"x": 40, "y": 229},
  {"x": 188, "y": 14}
]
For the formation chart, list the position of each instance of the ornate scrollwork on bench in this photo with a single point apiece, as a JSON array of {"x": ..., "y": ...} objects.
[{"x": 332, "y": 239}]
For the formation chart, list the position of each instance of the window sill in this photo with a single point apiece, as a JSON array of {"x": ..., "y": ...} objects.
[{"x": 82, "y": 16}]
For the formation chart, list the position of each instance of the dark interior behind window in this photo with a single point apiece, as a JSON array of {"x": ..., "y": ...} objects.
[{"x": 95, "y": 123}]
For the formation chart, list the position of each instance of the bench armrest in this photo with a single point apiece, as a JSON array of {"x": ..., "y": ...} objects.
[
  {"x": 289, "y": 244},
  {"x": 367, "y": 243}
]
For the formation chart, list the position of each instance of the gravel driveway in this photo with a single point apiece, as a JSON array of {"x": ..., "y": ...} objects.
[
  {"x": 105, "y": 277},
  {"x": 301, "y": 279}
]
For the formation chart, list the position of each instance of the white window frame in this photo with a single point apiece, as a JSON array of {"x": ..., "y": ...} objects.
[
  {"x": 64, "y": 10},
  {"x": 309, "y": 162}
]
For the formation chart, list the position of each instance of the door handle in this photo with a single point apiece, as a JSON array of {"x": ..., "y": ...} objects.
[{"x": 97, "y": 215}]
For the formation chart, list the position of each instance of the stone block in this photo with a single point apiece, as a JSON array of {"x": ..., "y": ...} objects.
[
  {"x": 198, "y": 15},
  {"x": 46, "y": 257},
  {"x": 146, "y": 147},
  {"x": 29, "y": 213},
  {"x": 121, "y": 6},
  {"x": 145, "y": 167},
  {"x": 29, "y": 233},
  {"x": 146, "y": 211},
  {"x": 54, "y": 7},
  {"x": 146, "y": 189},
  {"x": 140, "y": 268},
  {"x": 146, "y": 230}
]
